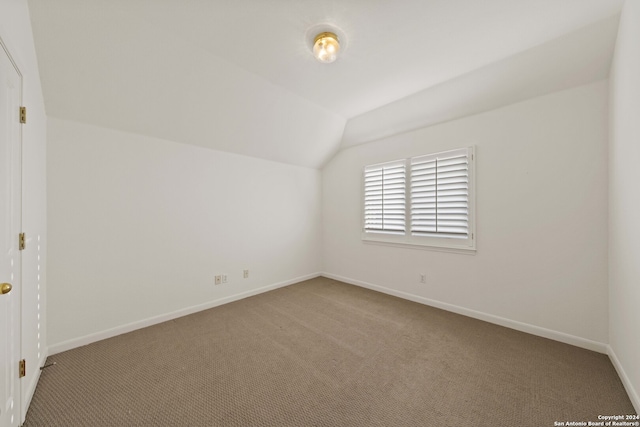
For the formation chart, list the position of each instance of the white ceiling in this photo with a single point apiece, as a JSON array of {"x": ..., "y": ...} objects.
[
  {"x": 238, "y": 75},
  {"x": 575, "y": 59}
]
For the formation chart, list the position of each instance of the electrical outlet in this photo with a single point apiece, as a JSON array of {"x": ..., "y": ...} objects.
[
  {"x": 218, "y": 280},
  {"x": 423, "y": 278},
  {"x": 246, "y": 274},
  {"x": 224, "y": 278}
]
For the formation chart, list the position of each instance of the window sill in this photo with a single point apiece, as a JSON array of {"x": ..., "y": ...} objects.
[{"x": 400, "y": 244}]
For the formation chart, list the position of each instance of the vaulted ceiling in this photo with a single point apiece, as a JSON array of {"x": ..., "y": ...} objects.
[{"x": 238, "y": 75}]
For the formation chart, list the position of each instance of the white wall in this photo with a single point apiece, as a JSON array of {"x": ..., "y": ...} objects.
[
  {"x": 624, "y": 202},
  {"x": 139, "y": 227},
  {"x": 15, "y": 32},
  {"x": 541, "y": 263}
]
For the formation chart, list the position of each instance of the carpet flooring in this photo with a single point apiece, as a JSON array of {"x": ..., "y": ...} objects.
[{"x": 324, "y": 353}]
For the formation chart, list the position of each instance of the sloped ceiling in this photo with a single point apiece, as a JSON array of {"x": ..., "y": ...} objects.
[
  {"x": 238, "y": 75},
  {"x": 578, "y": 58}
]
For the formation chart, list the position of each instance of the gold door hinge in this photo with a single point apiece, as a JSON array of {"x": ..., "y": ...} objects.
[
  {"x": 23, "y": 114},
  {"x": 22, "y": 242},
  {"x": 22, "y": 370}
]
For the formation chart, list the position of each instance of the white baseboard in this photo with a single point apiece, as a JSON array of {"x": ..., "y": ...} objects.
[
  {"x": 98, "y": 336},
  {"x": 631, "y": 391},
  {"x": 513, "y": 324}
]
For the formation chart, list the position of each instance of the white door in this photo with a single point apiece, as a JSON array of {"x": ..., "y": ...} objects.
[{"x": 10, "y": 225}]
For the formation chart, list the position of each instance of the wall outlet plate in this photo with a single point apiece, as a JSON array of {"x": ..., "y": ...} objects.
[
  {"x": 245, "y": 274},
  {"x": 218, "y": 280}
]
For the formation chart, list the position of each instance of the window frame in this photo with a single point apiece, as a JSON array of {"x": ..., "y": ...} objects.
[{"x": 446, "y": 244}]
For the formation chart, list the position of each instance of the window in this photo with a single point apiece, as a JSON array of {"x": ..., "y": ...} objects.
[{"x": 427, "y": 200}]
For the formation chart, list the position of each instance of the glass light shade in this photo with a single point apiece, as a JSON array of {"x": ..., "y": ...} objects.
[{"x": 326, "y": 47}]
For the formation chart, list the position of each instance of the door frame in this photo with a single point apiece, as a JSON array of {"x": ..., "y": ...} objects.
[{"x": 18, "y": 315}]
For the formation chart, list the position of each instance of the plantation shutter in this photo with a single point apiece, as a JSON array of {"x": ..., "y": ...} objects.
[
  {"x": 440, "y": 195},
  {"x": 384, "y": 198}
]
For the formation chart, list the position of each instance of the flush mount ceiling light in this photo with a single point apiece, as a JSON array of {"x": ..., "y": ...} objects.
[{"x": 326, "y": 47}]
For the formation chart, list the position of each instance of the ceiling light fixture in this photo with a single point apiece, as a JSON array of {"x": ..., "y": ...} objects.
[{"x": 326, "y": 47}]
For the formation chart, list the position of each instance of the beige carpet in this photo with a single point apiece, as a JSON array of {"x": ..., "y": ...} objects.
[{"x": 324, "y": 353}]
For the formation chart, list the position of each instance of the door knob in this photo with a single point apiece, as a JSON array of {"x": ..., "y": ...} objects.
[{"x": 5, "y": 288}]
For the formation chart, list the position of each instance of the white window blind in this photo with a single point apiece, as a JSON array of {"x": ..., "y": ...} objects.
[
  {"x": 384, "y": 198},
  {"x": 439, "y": 191},
  {"x": 422, "y": 201}
]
